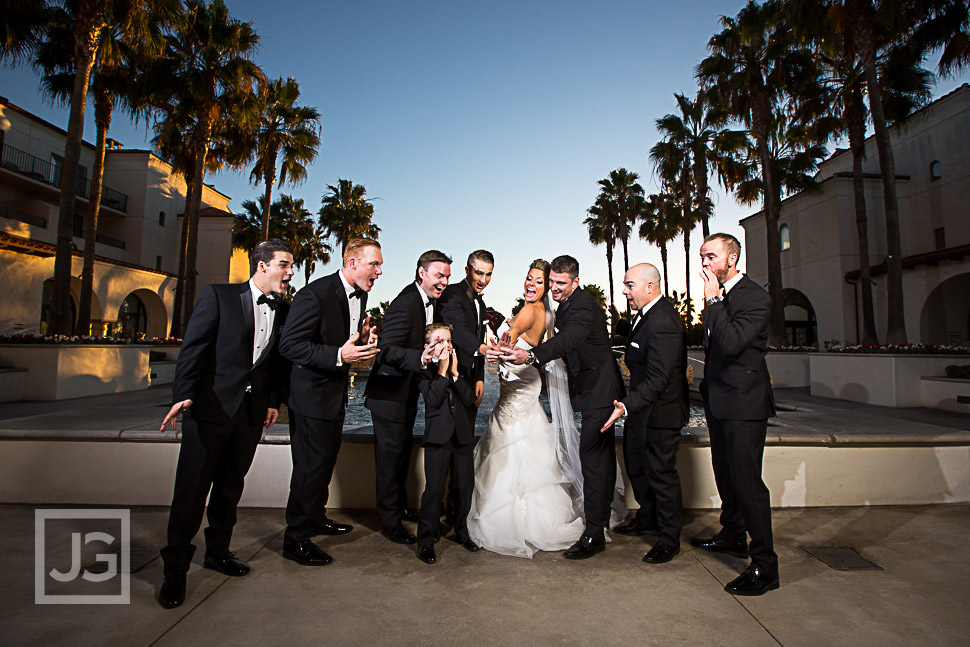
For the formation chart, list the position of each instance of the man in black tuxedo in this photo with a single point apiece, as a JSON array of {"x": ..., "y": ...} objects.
[
  {"x": 656, "y": 355},
  {"x": 392, "y": 393},
  {"x": 228, "y": 379},
  {"x": 448, "y": 439},
  {"x": 325, "y": 333},
  {"x": 462, "y": 306},
  {"x": 738, "y": 402},
  {"x": 581, "y": 339}
]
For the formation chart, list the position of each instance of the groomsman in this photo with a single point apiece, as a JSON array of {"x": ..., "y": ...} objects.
[
  {"x": 656, "y": 355},
  {"x": 325, "y": 333},
  {"x": 581, "y": 339},
  {"x": 228, "y": 379},
  {"x": 392, "y": 391},
  {"x": 462, "y": 306},
  {"x": 738, "y": 402}
]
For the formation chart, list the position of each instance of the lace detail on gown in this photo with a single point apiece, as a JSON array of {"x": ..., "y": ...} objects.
[{"x": 523, "y": 501}]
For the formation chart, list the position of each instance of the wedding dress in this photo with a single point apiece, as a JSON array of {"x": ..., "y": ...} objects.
[{"x": 528, "y": 485}]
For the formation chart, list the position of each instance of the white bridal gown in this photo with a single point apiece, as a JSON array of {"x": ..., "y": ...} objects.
[{"x": 523, "y": 500}]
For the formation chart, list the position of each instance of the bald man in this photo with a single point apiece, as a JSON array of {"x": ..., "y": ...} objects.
[{"x": 656, "y": 410}]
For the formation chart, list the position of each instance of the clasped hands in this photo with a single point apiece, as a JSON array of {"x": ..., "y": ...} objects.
[{"x": 504, "y": 349}]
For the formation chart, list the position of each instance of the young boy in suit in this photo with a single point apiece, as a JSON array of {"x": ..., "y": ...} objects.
[{"x": 447, "y": 433}]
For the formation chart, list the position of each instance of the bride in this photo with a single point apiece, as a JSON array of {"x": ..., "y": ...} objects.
[{"x": 528, "y": 481}]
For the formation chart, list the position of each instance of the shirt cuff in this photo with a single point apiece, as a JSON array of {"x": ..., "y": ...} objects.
[
  {"x": 625, "y": 412},
  {"x": 340, "y": 359}
]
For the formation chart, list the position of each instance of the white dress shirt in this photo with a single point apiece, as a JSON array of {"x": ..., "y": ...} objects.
[
  {"x": 263, "y": 317},
  {"x": 354, "y": 306},
  {"x": 640, "y": 315},
  {"x": 425, "y": 299}
]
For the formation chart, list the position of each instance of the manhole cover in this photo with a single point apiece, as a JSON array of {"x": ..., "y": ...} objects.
[
  {"x": 841, "y": 558},
  {"x": 139, "y": 557}
]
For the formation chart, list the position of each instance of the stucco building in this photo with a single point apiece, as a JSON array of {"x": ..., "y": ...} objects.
[
  {"x": 138, "y": 231},
  {"x": 820, "y": 259}
]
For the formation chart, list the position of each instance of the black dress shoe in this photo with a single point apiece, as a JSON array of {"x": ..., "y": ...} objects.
[
  {"x": 172, "y": 593},
  {"x": 718, "y": 545},
  {"x": 426, "y": 554},
  {"x": 226, "y": 564},
  {"x": 306, "y": 553},
  {"x": 584, "y": 548},
  {"x": 754, "y": 581},
  {"x": 469, "y": 545},
  {"x": 636, "y": 527},
  {"x": 331, "y": 527},
  {"x": 661, "y": 554},
  {"x": 437, "y": 536},
  {"x": 407, "y": 514},
  {"x": 398, "y": 535}
]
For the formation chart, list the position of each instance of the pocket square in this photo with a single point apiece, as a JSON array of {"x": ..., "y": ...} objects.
[
  {"x": 555, "y": 329},
  {"x": 634, "y": 344}
]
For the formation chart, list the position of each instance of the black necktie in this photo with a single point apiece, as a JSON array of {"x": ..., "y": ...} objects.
[{"x": 272, "y": 302}]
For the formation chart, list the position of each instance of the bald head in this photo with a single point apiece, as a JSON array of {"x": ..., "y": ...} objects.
[{"x": 641, "y": 285}]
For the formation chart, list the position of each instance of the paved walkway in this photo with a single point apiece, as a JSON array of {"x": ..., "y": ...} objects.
[{"x": 378, "y": 593}]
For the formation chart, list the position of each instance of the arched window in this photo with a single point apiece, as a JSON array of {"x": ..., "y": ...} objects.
[
  {"x": 785, "y": 238},
  {"x": 132, "y": 317},
  {"x": 936, "y": 170}
]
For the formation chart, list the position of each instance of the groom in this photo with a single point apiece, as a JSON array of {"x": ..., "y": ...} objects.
[{"x": 582, "y": 341}]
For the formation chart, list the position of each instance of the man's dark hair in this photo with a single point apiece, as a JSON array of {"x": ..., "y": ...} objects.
[
  {"x": 429, "y": 257},
  {"x": 480, "y": 255},
  {"x": 265, "y": 251},
  {"x": 565, "y": 265},
  {"x": 731, "y": 244}
]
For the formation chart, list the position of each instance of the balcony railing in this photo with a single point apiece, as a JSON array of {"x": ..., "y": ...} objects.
[
  {"x": 23, "y": 217},
  {"x": 100, "y": 238},
  {"x": 25, "y": 164}
]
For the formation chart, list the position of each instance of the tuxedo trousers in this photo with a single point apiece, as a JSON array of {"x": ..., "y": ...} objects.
[
  {"x": 314, "y": 444},
  {"x": 737, "y": 453},
  {"x": 393, "y": 442},
  {"x": 650, "y": 454},
  {"x": 213, "y": 462},
  {"x": 437, "y": 459},
  {"x": 454, "y": 498},
  {"x": 597, "y": 453}
]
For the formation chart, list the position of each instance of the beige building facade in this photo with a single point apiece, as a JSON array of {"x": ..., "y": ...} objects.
[
  {"x": 139, "y": 230},
  {"x": 820, "y": 258}
]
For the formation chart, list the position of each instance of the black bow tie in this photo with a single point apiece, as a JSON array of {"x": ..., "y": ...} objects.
[
  {"x": 272, "y": 302},
  {"x": 429, "y": 304},
  {"x": 356, "y": 294}
]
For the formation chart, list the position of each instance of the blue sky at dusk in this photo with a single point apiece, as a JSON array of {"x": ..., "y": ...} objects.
[{"x": 476, "y": 124}]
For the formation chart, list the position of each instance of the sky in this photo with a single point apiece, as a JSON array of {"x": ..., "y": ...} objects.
[{"x": 476, "y": 125}]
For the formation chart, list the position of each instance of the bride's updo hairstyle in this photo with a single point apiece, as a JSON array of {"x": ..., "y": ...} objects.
[{"x": 543, "y": 266}]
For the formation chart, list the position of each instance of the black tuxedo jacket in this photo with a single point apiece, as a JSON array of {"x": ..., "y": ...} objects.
[
  {"x": 215, "y": 363},
  {"x": 582, "y": 341},
  {"x": 736, "y": 383},
  {"x": 444, "y": 401},
  {"x": 656, "y": 355},
  {"x": 391, "y": 392},
  {"x": 317, "y": 326},
  {"x": 457, "y": 305}
]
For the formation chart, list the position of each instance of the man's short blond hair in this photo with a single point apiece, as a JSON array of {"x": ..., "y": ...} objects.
[{"x": 355, "y": 245}]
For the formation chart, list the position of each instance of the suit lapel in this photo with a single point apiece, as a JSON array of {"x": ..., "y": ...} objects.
[
  {"x": 340, "y": 294},
  {"x": 246, "y": 304}
]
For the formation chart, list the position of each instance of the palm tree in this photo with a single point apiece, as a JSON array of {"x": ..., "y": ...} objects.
[
  {"x": 658, "y": 226},
  {"x": 600, "y": 223},
  {"x": 89, "y": 20},
  {"x": 625, "y": 195},
  {"x": 287, "y": 134},
  {"x": 113, "y": 81},
  {"x": 208, "y": 59},
  {"x": 597, "y": 294},
  {"x": 696, "y": 136},
  {"x": 753, "y": 60},
  {"x": 345, "y": 213}
]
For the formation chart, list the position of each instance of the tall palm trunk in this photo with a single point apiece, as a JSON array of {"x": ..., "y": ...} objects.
[
  {"x": 896, "y": 321},
  {"x": 663, "y": 261},
  {"x": 700, "y": 180},
  {"x": 609, "y": 266},
  {"x": 87, "y": 32},
  {"x": 772, "y": 201},
  {"x": 177, "y": 306},
  {"x": 856, "y": 127},
  {"x": 690, "y": 304},
  {"x": 192, "y": 208},
  {"x": 103, "y": 107},
  {"x": 269, "y": 177}
]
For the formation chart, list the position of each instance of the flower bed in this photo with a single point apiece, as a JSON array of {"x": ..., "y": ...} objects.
[{"x": 902, "y": 349}]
